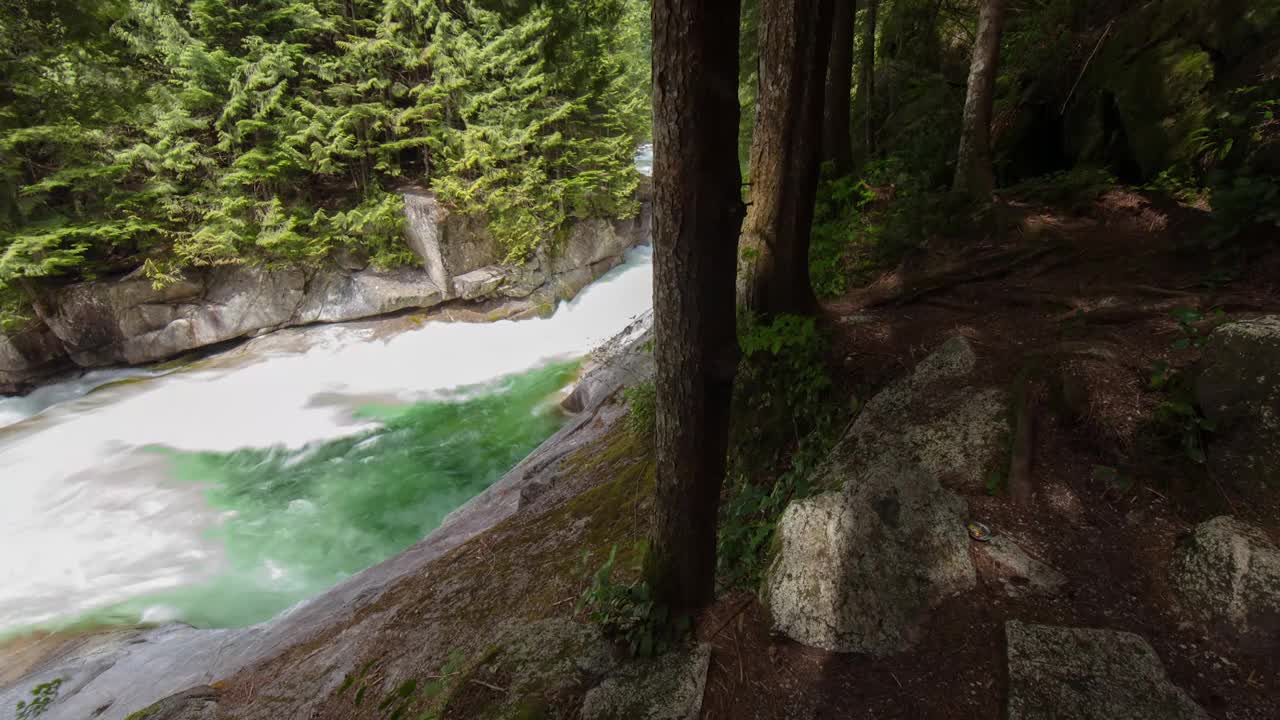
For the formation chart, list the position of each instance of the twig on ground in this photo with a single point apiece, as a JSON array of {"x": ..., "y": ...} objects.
[
  {"x": 488, "y": 685},
  {"x": 731, "y": 616}
]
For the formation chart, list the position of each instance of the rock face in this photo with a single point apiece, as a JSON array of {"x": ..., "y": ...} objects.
[
  {"x": 857, "y": 568},
  {"x": 669, "y": 688},
  {"x": 29, "y": 354},
  {"x": 1078, "y": 674},
  {"x": 1019, "y": 573},
  {"x": 128, "y": 320},
  {"x": 1238, "y": 389},
  {"x": 1228, "y": 573}
]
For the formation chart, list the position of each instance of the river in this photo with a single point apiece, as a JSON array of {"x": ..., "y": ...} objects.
[{"x": 223, "y": 491}]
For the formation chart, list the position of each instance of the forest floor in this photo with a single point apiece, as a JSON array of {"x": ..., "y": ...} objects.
[{"x": 1093, "y": 288}]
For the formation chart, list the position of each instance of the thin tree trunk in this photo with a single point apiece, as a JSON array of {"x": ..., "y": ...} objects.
[
  {"x": 697, "y": 214},
  {"x": 837, "y": 140},
  {"x": 974, "y": 174},
  {"x": 867, "y": 78},
  {"x": 773, "y": 276}
]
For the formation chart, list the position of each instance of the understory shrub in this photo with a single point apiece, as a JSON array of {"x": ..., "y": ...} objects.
[{"x": 785, "y": 419}]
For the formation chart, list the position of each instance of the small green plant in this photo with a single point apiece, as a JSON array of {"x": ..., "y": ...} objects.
[
  {"x": 1178, "y": 412},
  {"x": 1190, "y": 335},
  {"x": 42, "y": 696},
  {"x": 786, "y": 418},
  {"x": 1064, "y": 187},
  {"x": 642, "y": 415},
  {"x": 627, "y": 612},
  {"x": 838, "y": 219}
]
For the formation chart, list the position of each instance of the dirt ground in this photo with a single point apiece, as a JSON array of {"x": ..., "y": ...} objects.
[{"x": 1092, "y": 292}]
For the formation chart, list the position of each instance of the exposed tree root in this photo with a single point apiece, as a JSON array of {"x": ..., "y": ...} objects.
[{"x": 987, "y": 267}]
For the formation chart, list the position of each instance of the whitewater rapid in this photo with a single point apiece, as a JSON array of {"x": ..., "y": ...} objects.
[{"x": 91, "y": 513}]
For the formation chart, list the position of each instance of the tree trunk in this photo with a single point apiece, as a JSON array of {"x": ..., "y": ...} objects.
[
  {"x": 974, "y": 174},
  {"x": 697, "y": 214},
  {"x": 773, "y": 275},
  {"x": 837, "y": 141},
  {"x": 867, "y": 79}
]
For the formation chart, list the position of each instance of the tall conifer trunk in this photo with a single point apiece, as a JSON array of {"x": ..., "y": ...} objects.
[
  {"x": 786, "y": 145},
  {"x": 974, "y": 174},
  {"x": 697, "y": 214},
  {"x": 867, "y": 79},
  {"x": 837, "y": 141}
]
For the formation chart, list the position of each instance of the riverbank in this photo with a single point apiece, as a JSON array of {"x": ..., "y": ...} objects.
[{"x": 128, "y": 321}]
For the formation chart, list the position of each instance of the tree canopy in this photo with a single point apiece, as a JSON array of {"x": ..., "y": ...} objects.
[{"x": 178, "y": 133}]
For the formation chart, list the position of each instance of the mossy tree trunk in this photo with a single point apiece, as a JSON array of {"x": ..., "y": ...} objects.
[
  {"x": 837, "y": 140},
  {"x": 974, "y": 174},
  {"x": 773, "y": 274},
  {"x": 697, "y": 214}
]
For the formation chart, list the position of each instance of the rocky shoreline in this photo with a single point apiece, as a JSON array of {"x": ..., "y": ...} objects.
[
  {"x": 111, "y": 673},
  {"x": 127, "y": 321}
]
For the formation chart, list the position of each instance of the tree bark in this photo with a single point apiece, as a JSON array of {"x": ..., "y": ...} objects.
[
  {"x": 697, "y": 214},
  {"x": 837, "y": 139},
  {"x": 867, "y": 79},
  {"x": 974, "y": 174},
  {"x": 786, "y": 155}
]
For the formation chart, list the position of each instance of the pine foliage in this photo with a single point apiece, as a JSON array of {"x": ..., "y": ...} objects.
[{"x": 177, "y": 133}]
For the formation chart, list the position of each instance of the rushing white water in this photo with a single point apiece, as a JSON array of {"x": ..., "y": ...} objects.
[{"x": 91, "y": 514}]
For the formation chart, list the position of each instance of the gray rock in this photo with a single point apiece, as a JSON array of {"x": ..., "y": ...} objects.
[
  {"x": 128, "y": 320},
  {"x": 1078, "y": 674},
  {"x": 588, "y": 242},
  {"x": 1238, "y": 388},
  {"x": 857, "y": 569},
  {"x": 667, "y": 688},
  {"x": 340, "y": 296},
  {"x": 198, "y": 703},
  {"x": 1019, "y": 573},
  {"x": 478, "y": 283},
  {"x": 28, "y": 354},
  {"x": 131, "y": 321},
  {"x": 1228, "y": 573},
  {"x": 448, "y": 244}
]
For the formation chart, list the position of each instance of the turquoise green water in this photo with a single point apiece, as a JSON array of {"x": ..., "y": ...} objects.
[{"x": 297, "y": 523}]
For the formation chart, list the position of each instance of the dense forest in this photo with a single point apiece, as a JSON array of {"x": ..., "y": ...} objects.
[
  {"x": 958, "y": 396},
  {"x": 178, "y": 133}
]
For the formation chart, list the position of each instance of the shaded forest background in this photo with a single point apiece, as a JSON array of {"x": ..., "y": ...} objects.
[{"x": 174, "y": 133}]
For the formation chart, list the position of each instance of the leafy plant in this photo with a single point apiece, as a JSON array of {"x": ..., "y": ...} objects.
[
  {"x": 207, "y": 132},
  {"x": 627, "y": 612},
  {"x": 838, "y": 218},
  {"x": 1068, "y": 186},
  {"x": 785, "y": 421},
  {"x": 642, "y": 418},
  {"x": 42, "y": 696},
  {"x": 1178, "y": 412}
]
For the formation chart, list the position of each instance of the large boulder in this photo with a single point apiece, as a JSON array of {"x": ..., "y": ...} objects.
[
  {"x": 129, "y": 320},
  {"x": 1080, "y": 674},
  {"x": 28, "y": 354},
  {"x": 858, "y": 568},
  {"x": 1228, "y": 574},
  {"x": 667, "y": 688},
  {"x": 448, "y": 244},
  {"x": 1238, "y": 388},
  {"x": 336, "y": 296}
]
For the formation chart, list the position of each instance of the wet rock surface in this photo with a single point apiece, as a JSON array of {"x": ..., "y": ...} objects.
[{"x": 109, "y": 675}]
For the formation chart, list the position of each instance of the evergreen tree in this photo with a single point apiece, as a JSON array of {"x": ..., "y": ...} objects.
[{"x": 178, "y": 133}]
